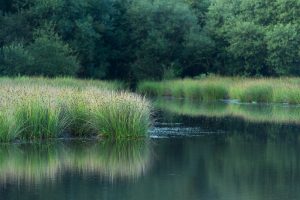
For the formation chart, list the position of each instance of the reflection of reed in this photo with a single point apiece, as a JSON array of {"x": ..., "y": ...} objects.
[
  {"x": 37, "y": 162},
  {"x": 276, "y": 113}
]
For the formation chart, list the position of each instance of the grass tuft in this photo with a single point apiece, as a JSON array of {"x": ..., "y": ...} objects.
[
  {"x": 39, "y": 120},
  {"x": 58, "y": 108},
  {"x": 257, "y": 93},
  {"x": 126, "y": 115}
]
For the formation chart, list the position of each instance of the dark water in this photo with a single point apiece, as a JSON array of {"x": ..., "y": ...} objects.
[{"x": 189, "y": 156}]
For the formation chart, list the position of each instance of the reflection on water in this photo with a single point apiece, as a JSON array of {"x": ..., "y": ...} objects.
[
  {"x": 223, "y": 167},
  {"x": 33, "y": 163},
  {"x": 234, "y": 167},
  {"x": 254, "y": 170},
  {"x": 228, "y": 158},
  {"x": 275, "y": 113}
]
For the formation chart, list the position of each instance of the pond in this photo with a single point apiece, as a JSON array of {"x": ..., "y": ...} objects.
[{"x": 210, "y": 151}]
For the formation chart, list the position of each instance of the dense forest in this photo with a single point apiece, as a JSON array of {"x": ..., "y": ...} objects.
[{"x": 149, "y": 39}]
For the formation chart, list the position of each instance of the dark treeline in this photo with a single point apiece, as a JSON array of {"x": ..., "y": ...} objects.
[{"x": 149, "y": 39}]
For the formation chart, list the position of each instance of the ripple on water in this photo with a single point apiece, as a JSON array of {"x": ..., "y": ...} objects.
[{"x": 166, "y": 130}]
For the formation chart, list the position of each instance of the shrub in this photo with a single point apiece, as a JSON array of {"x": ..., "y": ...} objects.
[
  {"x": 52, "y": 57},
  {"x": 14, "y": 59}
]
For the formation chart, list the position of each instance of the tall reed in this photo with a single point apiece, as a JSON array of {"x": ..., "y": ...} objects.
[
  {"x": 268, "y": 90},
  {"x": 54, "y": 109}
]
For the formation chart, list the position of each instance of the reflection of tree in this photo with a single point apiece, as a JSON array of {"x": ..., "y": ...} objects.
[
  {"x": 37, "y": 162},
  {"x": 252, "y": 169},
  {"x": 216, "y": 167},
  {"x": 223, "y": 167}
]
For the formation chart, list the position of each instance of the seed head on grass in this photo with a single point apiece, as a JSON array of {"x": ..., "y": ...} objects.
[{"x": 38, "y": 108}]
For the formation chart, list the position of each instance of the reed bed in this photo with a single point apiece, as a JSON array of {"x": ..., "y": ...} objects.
[
  {"x": 63, "y": 82},
  {"x": 254, "y": 90},
  {"x": 33, "y": 109}
]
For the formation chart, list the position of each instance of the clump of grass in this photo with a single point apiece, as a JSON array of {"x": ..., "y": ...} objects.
[
  {"x": 120, "y": 115},
  {"x": 213, "y": 92},
  {"x": 287, "y": 93},
  {"x": 205, "y": 91},
  {"x": 63, "y": 82},
  {"x": 151, "y": 88},
  {"x": 39, "y": 120},
  {"x": 257, "y": 93},
  {"x": 9, "y": 129},
  {"x": 79, "y": 118},
  {"x": 31, "y": 111}
]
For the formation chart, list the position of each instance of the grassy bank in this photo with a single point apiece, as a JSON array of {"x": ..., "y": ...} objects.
[
  {"x": 275, "y": 90},
  {"x": 250, "y": 112},
  {"x": 38, "y": 108}
]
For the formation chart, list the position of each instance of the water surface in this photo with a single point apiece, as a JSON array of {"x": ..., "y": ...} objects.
[{"x": 196, "y": 155}]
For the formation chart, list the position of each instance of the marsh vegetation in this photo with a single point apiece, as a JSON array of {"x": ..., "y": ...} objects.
[
  {"x": 212, "y": 88},
  {"x": 42, "y": 108},
  {"x": 228, "y": 128}
]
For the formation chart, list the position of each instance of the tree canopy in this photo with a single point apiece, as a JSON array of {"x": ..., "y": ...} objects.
[{"x": 149, "y": 39}]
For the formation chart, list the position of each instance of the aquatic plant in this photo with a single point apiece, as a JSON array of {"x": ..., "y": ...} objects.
[
  {"x": 277, "y": 90},
  {"x": 125, "y": 115},
  {"x": 54, "y": 109}
]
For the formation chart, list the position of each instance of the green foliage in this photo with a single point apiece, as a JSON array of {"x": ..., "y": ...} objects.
[
  {"x": 47, "y": 56},
  {"x": 161, "y": 29},
  {"x": 150, "y": 39},
  {"x": 14, "y": 59},
  {"x": 257, "y": 93},
  {"x": 9, "y": 128},
  {"x": 122, "y": 117},
  {"x": 204, "y": 90},
  {"x": 17, "y": 28},
  {"x": 79, "y": 118},
  {"x": 112, "y": 39},
  {"x": 261, "y": 36},
  {"x": 247, "y": 47},
  {"x": 39, "y": 120},
  {"x": 51, "y": 56},
  {"x": 284, "y": 48},
  {"x": 39, "y": 108},
  {"x": 275, "y": 90}
]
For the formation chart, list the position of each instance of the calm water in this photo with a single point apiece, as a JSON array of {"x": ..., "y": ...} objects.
[{"x": 214, "y": 151}]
